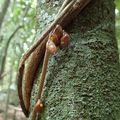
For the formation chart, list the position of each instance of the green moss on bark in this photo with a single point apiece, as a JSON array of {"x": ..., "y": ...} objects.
[{"x": 83, "y": 81}]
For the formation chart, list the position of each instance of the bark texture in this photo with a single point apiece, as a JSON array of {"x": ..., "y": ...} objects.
[{"x": 83, "y": 81}]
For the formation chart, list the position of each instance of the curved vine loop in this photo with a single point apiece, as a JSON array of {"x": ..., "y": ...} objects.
[{"x": 68, "y": 11}]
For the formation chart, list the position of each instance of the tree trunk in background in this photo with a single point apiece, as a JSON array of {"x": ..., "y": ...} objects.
[
  {"x": 83, "y": 81},
  {"x": 3, "y": 11},
  {"x": 3, "y": 58},
  {"x": 8, "y": 95}
]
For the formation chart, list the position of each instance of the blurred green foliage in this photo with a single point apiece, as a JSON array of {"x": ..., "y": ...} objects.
[{"x": 20, "y": 13}]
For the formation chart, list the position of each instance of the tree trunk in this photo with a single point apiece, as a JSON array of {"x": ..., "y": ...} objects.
[
  {"x": 3, "y": 59},
  {"x": 83, "y": 81},
  {"x": 3, "y": 11},
  {"x": 8, "y": 96}
]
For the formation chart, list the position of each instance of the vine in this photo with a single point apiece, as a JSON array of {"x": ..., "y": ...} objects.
[{"x": 68, "y": 10}]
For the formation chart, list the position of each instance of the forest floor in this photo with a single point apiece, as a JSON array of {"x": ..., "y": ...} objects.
[{"x": 13, "y": 113}]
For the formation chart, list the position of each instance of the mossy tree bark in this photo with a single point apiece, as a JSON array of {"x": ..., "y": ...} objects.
[{"x": 83, "y": 81}]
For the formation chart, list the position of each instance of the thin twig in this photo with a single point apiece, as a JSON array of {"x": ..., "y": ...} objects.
[
  {"x": 19, "y": 86},
  {"x": 63, "y": 6},
  {"x": 43, "y": 73},
  {"x": 42, "y": 78}
]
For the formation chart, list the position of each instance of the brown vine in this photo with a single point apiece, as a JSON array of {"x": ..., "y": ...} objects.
[{"x": 70, "y": 10}]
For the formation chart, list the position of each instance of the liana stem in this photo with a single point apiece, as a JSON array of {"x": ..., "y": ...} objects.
[
  {"x": 47, "y": 31},
  {"x": 43, "y": 73},
  {"x": 68, "y": 14},
  {"x": 42, "y": 78}
]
